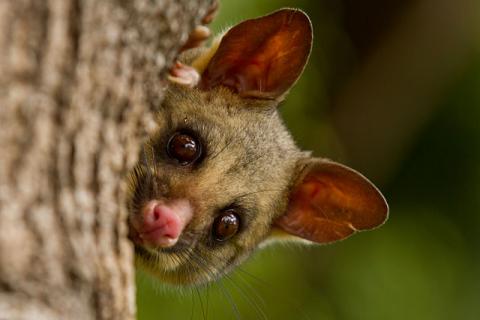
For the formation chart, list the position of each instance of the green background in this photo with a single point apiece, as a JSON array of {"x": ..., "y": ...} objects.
[{"x": 425, "y": 262}]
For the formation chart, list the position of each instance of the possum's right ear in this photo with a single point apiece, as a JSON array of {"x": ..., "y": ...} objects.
[{"x": 263, "y": 57}]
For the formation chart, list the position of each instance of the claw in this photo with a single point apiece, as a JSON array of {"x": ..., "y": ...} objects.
[
  {"x": 198, "y": 35},
  {"x": 211, "y": 13}
]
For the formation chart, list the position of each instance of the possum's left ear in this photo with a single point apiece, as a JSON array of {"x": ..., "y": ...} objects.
[
  {"x": 330, "y": 202},
  {"x": 263, "y": 57}
]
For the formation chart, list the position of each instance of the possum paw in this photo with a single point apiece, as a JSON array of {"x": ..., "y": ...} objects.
[
  {"x": 211, "y": 13},
  {"x": 202, "y": 32},
  {"x": 186, "y": 75},
  {"x": 197, "y": 37}
]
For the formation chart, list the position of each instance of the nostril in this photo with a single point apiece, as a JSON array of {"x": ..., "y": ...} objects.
[{"x": 157, "y": 213}]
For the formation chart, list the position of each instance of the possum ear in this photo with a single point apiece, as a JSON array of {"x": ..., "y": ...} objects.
[
  {"x": 263, "y": 57},
  {"x": 330, "y": 202}
]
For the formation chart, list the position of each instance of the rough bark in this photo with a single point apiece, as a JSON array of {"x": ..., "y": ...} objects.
[{"x": 79, "y": 83}]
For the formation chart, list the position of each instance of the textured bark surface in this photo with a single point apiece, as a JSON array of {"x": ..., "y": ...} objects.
[{"x": 79, "y": 82}]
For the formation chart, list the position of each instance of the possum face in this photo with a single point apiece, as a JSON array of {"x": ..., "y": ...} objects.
[
  {"x": 209, "y": 184},
  {"x": 222, "y": 172}
]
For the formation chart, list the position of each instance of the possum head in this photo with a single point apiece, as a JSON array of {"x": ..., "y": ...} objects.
[{"x": 222, "y": 175}]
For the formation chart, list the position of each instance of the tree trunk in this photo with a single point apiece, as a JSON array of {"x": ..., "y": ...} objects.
[{"x": 79, "y": 83}]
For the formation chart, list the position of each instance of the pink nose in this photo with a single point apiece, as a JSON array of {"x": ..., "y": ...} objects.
[{"x": 163, "y": 223}]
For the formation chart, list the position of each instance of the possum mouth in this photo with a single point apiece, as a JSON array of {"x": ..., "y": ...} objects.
[
  {"x": 171, "y": 269},
  {"x": 134, "y": 236},
  {"x": 160, "y": 259}
]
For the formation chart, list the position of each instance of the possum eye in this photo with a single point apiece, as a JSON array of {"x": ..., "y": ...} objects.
[
  {"x": 184, "y": 148},
  {"x": 226, "y": 226}
]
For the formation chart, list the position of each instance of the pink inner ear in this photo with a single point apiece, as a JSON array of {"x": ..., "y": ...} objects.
[
  {"x": 331, "y": 203},
  {"x": 263, "y": 57}
]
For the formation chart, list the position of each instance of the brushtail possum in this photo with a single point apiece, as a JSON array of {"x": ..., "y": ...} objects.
[{"x": 223, "y": 176}]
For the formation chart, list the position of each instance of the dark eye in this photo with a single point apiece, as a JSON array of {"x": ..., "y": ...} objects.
[
  {"x": 184, "y": 148},
  {"x": 225, "y": 226}
]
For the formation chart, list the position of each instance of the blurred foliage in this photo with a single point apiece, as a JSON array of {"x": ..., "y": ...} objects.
[{"x": 423, "y": 264}]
